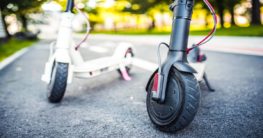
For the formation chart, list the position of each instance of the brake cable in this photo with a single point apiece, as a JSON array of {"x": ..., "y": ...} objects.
[
  {"x": 212, "y": 32},
  {"x": 87, "y": 30}
]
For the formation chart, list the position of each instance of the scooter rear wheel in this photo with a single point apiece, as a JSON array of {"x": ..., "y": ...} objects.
[
  {"x": 58, "y": 82},
  {"x": 181, "y": 103}
]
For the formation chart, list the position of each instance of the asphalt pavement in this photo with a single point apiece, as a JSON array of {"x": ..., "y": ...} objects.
[{"x": 107, "y": 106}]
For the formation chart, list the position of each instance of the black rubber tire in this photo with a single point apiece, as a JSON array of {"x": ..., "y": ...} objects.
[
  {"x": 182, "y": 86},
  {"x": 58, "y": 83},
  {"x": 128, "y": 68}
]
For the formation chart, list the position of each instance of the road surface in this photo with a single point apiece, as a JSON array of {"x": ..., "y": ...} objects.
[{"x": 107, "y": 106}]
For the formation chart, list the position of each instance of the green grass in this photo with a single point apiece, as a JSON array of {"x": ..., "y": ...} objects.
[
  {"x": 11, "y": 46},
  {"x": 232, "y": 31},
  {"x": 132, "y": 32}
]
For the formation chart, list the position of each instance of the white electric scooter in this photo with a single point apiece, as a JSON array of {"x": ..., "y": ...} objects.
[{"x": 66, "y": 62}]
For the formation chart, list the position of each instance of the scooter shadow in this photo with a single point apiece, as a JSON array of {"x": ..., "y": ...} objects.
[
  {"x": 195, "y": 125},
  {"x": 89, "y": 91}
]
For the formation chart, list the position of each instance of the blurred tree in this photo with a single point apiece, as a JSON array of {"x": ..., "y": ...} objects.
[
  {"x": 20, "y": 9},
  {"x": 219, "y": 6},
  {"x": 139, "y": 6},
  {"x": 230, "y": 5},
  {"x": 255, "y": 13},
  {"x": 4, "y": 25},
  {"x": 143, "y": 6}
]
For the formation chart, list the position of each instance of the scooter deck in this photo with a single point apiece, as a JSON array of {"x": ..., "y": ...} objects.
[{"x": 98, "y": 64}]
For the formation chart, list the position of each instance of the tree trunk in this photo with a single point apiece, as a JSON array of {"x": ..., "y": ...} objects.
[
  {"x": 232, "y": 13},
  {"x": 221, "y": 9},
  {"x": 153, "y": 24},
  {"x": 255, "y": 15},
  {"x": 5, "y": 26},
  {"x": 206, "y": 19},
  {"x": 24, "y": 22}
]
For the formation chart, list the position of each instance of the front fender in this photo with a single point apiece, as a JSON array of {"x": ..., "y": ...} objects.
[
  {"x": 121, "y": 50},
  {"x": 62, "y": 56},
  {"x": 182, "y": 67}
]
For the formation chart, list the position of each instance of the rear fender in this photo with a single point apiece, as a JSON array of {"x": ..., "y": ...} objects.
[{"x": 121, "y": 50}]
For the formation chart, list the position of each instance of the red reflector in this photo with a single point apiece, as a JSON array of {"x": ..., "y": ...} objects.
[{"x": 155, "y": 83}]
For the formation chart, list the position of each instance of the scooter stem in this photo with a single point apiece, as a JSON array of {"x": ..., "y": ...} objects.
[
  {"x": 182, "y": 10},
  {"x": 70, "y": 6},
  {"x": 177, "y": 55}
]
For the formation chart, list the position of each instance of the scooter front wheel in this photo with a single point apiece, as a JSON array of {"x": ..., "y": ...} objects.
[
  {"x": 58, "y": 83},
  {"x": 181, "y": 103}
]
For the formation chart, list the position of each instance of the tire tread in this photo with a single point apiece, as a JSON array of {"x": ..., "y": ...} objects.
[
  {"x": 60, "y": 84},
  {"x": 190, "y": 105}
]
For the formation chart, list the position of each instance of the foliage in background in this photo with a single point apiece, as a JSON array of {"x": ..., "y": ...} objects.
[
  {"x": 21, "y": 9},
  {"x": 232, "y": 31},
  {"x": 221, "y": 6},
  {"x": 135, "y": 9}
]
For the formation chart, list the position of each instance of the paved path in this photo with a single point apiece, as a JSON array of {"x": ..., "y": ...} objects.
[
  {"x": 243, "y": 45},
  {"x": 106, "y": 106}
]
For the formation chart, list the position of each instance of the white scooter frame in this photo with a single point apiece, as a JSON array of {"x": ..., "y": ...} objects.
[{"x": 63, "y": 51}]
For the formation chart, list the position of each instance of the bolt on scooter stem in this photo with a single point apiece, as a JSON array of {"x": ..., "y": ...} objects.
[{"x": 182, "y": 10}]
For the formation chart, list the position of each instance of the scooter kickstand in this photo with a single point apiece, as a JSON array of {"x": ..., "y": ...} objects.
[
  {"x": 124, "y": 73},
  {"x": 210, "y": 88}
]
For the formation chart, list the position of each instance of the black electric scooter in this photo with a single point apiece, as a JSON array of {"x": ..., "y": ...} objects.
[{"x": 173, "y": 93}]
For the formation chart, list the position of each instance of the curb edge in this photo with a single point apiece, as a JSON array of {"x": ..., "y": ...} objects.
[{"x": 12, "y": 58}]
